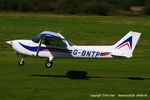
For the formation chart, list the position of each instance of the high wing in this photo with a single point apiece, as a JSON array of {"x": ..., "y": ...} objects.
[
  {"x": 48, "y": 35},
  {"x": 51, "y": 34}
]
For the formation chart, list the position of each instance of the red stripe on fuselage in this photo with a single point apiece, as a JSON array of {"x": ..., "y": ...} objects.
[
  {"x": 104, "y": 54},
  {"x": 58, "y": 51}
]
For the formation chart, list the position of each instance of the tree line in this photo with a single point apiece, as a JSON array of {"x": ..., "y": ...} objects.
[{"x": 97, "y": 7}]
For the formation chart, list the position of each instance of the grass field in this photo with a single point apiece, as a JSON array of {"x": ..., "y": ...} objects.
[{"x": 35, "y": 82}]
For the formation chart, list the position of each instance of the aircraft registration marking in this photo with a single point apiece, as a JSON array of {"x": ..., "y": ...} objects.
[{"x": 89, "y": 53}]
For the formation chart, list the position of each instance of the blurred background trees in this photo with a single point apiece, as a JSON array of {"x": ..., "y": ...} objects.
[{"x": 96, "y": 7}]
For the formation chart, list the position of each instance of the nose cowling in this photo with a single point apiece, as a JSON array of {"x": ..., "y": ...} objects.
[
  {"x": 9, "y": 42},
  {"x": 15, "y": 45}
]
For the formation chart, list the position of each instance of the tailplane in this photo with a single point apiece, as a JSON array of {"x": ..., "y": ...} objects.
[{"x": 126, "y": 45}]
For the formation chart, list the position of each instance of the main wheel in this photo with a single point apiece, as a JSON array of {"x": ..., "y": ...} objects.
[
  {"x": 21, "y": 62},
  {"x": 48, "y": 64}
]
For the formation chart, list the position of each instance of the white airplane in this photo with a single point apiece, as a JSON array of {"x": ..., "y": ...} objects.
[{"x": 53, "y": 45}]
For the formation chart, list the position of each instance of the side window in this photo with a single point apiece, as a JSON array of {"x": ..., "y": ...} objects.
[
  {"x": 54, "y": 43},
  {"x": 60, "y": 43},
  {"x": 49, "y": 42}
]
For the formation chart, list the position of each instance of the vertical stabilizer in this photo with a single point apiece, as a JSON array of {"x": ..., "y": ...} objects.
[{"x": 126, "y": 45}]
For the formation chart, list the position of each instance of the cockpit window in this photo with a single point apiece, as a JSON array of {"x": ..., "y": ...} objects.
[
  {"x": 54, "y": 42},
  {"x": 36, "y": 39},
  {"x": 51, "y": 42}
]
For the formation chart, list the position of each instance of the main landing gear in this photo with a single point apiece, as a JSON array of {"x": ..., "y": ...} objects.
[{"x": 48, "y": 63}]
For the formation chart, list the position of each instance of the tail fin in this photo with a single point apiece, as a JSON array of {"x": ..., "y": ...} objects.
[{"x": 126, "y": 45}]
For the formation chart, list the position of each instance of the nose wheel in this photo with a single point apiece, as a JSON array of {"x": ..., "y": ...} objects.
[
  {"x": 48, "y": 64},
  {"x": 21, "y": 62}
]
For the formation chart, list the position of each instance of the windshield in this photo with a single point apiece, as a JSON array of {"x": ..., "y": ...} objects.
[{"x": 36, "y": 39}]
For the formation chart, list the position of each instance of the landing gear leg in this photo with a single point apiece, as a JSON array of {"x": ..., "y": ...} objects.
[
  {"x": 21, "y": 62},
  {"x": 49, "y": 63}
]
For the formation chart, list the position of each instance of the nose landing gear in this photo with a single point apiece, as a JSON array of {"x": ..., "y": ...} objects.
[{"x": 21, "y": 62}]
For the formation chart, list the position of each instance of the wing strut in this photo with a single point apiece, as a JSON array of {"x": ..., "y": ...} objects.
[{"x": 41, "y": 39}]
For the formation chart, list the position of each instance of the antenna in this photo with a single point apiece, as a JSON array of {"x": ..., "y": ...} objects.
[{"x": 59, "y": 31}]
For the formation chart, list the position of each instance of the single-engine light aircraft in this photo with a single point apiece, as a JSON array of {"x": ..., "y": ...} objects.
[{"x": 53, "y": 45}]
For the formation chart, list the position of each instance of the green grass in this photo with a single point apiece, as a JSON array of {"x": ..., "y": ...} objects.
[{"x": 18, "y": 83}]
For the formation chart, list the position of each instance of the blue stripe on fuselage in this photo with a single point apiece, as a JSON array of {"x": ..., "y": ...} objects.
[{"x": 34, "y": 49}]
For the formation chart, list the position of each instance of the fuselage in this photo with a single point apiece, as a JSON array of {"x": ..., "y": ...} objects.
[
  {"x": 53, "y": 45},
  {"x": 29, "y": 48}
]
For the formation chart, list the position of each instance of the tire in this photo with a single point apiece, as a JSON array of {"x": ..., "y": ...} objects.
[
  {"x": 21, "y": 63},
  {"x": 48, "y": 64}
]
